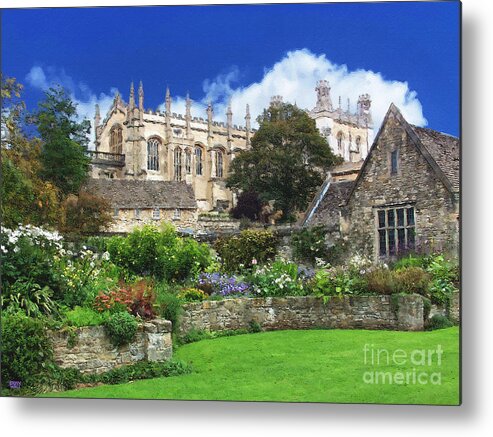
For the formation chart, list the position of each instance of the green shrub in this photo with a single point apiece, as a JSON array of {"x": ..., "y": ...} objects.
[
  {"x": 169, "y": 305},
  {"x": 194, "y": 335},
  {"x": 411, "y": 280},
  {"x": 143, "y": 370},
  {"x": 444, "y": 278},
  {"x": 25, "y": 349},
  {"x": 308, "y": 244},
  {"x": 438, "y": 322},
  {"x": 247, "y": 249},
  {"x": 277, "y": 279},
  {"x": 83, "y": 316},
  {"x": 380, "y": 281},
  {"x": 159, "y": 252},
  {"x": 192, "y": 294},
  {"x": 410, "y": 261},
  {"x": 121, "y": 328}
]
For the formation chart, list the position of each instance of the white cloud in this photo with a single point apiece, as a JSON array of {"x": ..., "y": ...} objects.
[
  {"x": 294, "y": 77},
  {"x": 44, "y": 78}
]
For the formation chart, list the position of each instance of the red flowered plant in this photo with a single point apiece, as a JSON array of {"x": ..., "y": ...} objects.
[{"x": 138, "y": 299}]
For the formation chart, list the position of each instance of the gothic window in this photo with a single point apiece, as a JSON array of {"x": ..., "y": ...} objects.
[
  {"x": 188, "y": 161},
  {"x": 156, "y": 213},
  {"x": 153, "y": 154},
  {"x": 340, "y": 137},
  {"x": 394, "y": 164},
  {"x": 219, "y": 164},
  {"x": 358, "y": 144},
  {"x": 198, "y": 161},
  {"x": 177, "y": 164},
  {"x": 396, "y": 230},
  {"x": 116, "y": 140}
]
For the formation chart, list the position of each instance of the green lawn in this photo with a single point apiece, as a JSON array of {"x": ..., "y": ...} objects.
[{"x": 308, "y": 366}]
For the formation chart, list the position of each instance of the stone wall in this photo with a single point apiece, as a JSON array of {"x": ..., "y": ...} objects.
[
  {"x": 452, "y": 311},
  {"x": 355, "y": 312},
  {"x": 415, "y": 184},
  {"x": 90, "y": 350}
]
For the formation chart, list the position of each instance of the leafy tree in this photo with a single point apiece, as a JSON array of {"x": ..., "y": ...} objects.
[
  {"x": 287, "y": 162},
  {"x": 85, "y": 214},
  {"x": 65, "y": 141},
  {"x": 248, "y": 206},
  {"x": 25, "y": 197}
]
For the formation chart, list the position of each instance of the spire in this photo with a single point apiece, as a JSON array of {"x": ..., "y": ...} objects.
[
  {"x": 131, "y": 101},
  {"x": 188, "y": 115},
  {"x": 97, "y": 116},
  {"x": 168, "y": 102},
  {"x": 97, "y": 121},
  {"x": 141, "y": 96},
  {"x": 209, "y": 118},
  {"x": 247, "y": 124}
]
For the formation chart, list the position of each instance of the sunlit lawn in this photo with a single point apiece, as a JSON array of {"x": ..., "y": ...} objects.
[{"x": 308, "y": 366}]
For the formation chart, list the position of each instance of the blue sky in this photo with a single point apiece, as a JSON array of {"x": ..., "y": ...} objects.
[{"x": 402, "y": 52}]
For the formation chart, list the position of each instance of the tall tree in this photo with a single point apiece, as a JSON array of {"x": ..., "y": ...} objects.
[
  {"x": 287, "y": 162},
  {"x": 25, "y": 197},
  {"x": 65, "y": 140}
]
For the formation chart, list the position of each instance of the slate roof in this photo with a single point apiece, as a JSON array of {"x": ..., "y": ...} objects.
[
  {"x": 326, "y": 212},
  {"x": 445, "y": 151},
  {"x": 123, "y": 194}
]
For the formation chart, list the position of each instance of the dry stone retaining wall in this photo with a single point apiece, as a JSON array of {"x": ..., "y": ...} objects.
[
  {"x": 272, "y": 313},
  {"x": 90, "y": 350}
]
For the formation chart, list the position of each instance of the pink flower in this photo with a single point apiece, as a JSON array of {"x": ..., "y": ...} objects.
[{"x": 254, "y": 262}]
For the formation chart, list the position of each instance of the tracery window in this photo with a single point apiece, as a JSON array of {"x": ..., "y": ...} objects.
[
  {"x": 198, "y": 161},
  {"x": 153, "y": 154},
  {"x": 177, "y": 162},
  {"x": 116, "y": 140},
  {"x": 219, "y": 163},
  {"x": 188, "y": 162},
  {"x": 340, "y": 137}
]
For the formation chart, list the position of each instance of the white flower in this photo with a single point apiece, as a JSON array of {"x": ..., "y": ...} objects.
[
  {"x": 3, "y": 249},
  {"x": 105, "y": 256}
]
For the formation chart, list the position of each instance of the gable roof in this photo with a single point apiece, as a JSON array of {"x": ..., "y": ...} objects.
[
  {"x": 130, "y": 194},
  {"x": 441, "y": 151},
  {"x": 324, "y": 207}
]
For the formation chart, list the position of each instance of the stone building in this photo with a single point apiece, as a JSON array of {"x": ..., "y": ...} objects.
[
  {"x": 404, "y": 198},
  {"x": 132, "y": 143},
  {"x": 138, "y": 202},
  {"x": 137, "y": 144},
  {"x": 349, "y": 135}
]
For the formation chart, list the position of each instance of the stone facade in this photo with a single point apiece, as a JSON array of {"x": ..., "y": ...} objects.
[
  {"x": 349, "y": 135},
  {"x": 355, "y": 312},
  {"x": 91, "y": 351},
  {"x": 406, "y": 196},
  {"x": 134, "y": 143}
]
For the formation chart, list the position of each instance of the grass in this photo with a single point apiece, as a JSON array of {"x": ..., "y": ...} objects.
[{"x": 304, "y": 366}]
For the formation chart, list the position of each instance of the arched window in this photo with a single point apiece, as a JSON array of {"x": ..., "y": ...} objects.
[
  {"x": 198, "y": 161},
  {"x": 340, "y": 137},
  {"x": 116, "y": 140},
  {"x": 188, "y": 161},
  {"x": 153, "y": 154},
  {"x": 177, "y": 164},
  {"x": 219, "y": 163},
  {"x": 358, "y": 144}
]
